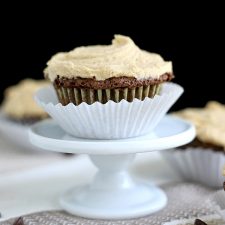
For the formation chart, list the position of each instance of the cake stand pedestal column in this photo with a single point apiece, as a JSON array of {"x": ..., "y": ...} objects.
[{"x": 114, "y": 193}]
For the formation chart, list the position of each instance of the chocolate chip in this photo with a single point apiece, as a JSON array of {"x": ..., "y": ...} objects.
[
  {"x": 68, "y": 154},
  {"x": 19, "y": 221},
  {"x": 199, "y": 222}
]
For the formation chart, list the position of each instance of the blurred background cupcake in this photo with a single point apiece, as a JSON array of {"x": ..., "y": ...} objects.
[
  {"x": 204, "y": 158},
  {"x": 19, "y": 111},
  {"x": 19, "y": 105}
]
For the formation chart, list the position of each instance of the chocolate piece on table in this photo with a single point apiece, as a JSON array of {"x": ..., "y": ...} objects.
[
  {"x": 68, "y": 154},
  {"x": 19, "y": 221},
  {"x": 224, "y": 185},
  {"x": 199, "y": 222}
]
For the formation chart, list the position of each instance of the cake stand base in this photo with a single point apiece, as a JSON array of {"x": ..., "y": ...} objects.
[
  {"x": 114, "y": 193},
  {"x": 149, "y": 199}
]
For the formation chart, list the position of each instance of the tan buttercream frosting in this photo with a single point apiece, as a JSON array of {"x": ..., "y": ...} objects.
[
  {"x": 19, "y": 103},
  {"x": 121, "y": 58},
  {"x": 209, "y": 122}
]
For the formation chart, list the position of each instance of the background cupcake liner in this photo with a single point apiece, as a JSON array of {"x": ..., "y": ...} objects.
[
  {"x": 111, "y": 120},
  {"x": 78, "y": 95},
  {"x": 200, "y": 165}
]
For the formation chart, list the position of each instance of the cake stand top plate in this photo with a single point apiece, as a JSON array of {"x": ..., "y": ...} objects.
[{"x": 171, "y": 132}]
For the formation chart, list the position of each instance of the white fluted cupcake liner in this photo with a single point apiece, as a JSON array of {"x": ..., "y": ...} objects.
[
  {"x": 79, "y": 95},
  {"x": 111, "y": 120},
  {"x": 200, "y": 165}
]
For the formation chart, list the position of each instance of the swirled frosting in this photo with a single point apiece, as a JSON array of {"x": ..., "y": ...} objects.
[
  {"x": 209, "y": 122},
  {"x": 121, "y": 58}
]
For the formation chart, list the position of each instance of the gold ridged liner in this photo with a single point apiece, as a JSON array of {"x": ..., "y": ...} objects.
[{"x": 77, "y": 95}]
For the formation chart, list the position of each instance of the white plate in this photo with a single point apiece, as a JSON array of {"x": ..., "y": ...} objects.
[
  {"x": 15, "y": 133},
  {"x": 171, "y": 132}
]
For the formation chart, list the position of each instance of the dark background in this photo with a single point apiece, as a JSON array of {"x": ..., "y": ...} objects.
[{"x": 192, "y": 39}]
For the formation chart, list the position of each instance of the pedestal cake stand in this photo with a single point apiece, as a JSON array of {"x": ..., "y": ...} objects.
[{"x": 114, "y": 193}]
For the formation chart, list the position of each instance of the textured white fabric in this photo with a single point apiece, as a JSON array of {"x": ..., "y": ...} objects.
[{"x": 185, "y": 201}]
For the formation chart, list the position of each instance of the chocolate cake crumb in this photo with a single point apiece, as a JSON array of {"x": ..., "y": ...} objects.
[
  {"x": 113, "y": 82},
  {"x": 19, "y": 221}
]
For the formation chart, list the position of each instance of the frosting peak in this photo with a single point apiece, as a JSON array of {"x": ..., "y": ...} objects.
[{"x": 121, "y": 58}]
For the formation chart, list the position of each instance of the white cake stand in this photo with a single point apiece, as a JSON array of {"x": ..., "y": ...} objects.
[{"x": 114, "y": 193}]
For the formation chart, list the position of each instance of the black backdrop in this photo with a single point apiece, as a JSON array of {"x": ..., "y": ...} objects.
[{"x": 195, "y": 47}]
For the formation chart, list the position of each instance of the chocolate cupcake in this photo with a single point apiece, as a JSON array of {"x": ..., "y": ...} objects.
[
  {"x": 116, "y": 90},
  {"x": 203, "y": 159},
  {"x": 18, "y": 104},
  {"x": 107, "y": 72}
]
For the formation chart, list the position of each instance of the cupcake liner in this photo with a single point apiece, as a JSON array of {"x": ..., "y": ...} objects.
[
  {"x": 79, "y": 95},
  {"x": 200, "y": 165},
  {"x": 111, "y": 120}
]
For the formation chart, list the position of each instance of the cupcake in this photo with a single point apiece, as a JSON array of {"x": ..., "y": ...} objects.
[
  {"x": 107, "y": 72},
  {"x": 203, "y": 159},
  {"x": 19, "y": 105},
  {"x": 108, "y": 92},
  {"x": 19, "y": 111}
]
